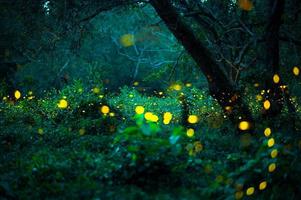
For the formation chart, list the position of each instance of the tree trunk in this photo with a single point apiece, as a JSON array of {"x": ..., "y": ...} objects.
[
  {"x": 272, "y": 59},
  {"x": 220, "y": 86}
]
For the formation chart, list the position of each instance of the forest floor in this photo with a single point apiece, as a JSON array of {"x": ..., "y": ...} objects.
[{"x": 70, "y": 146}]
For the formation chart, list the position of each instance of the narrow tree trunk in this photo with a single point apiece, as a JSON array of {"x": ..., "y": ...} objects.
[
  {"x": 272, "y": 59},
  {"x": 220, "y": 86}
]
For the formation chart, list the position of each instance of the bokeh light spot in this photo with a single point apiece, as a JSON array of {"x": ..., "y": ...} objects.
[{"x": 62, "y": 104}]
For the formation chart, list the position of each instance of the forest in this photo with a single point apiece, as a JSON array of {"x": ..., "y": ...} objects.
[{"x": 150, "y": 99}]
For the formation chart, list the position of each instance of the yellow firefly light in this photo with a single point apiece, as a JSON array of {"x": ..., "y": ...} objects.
[
  {"x": 17, "y": 94},
  {"x": 188, "y": 84},
  {"x": 272, "y": 167},
  {"x": 82, "y": 131},
  {"x": 276, "y": 78},
  {"x": 267, "y": 132},
  {"x": 151, "y": 117},
  {"x": 192, "y": 119},
  {"x": 40, "y": 131},
  {"x": 177, "y": 87},
  {"x": 139, "y": 110},
  {"x": 296, "y": 71},
  {"x": 266, "y": 104},
  {"x": 105, "y": 109},
  {"x": 244, "y": 125},
  {"x": 167, "y": 116},
  {"x": 127, "y": 40},
  {"x": 250, "y": 191},
  {"x": 262, "y": 185},
  {"x": 62, "y": 104},
  {"x": 190, "y": 132},
  {"x": 96, "y": 90},
  {"x": 274, "y": 153},
  {"x": 271, "y": 142}
]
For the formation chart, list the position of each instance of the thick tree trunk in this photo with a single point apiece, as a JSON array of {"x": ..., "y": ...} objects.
[{"x": 220, "y": 86}]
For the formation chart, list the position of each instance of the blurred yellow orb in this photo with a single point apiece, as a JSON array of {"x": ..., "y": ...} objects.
[
  {"x": 266, "y": 104},
  {"x": 62, "y": 104},
  {"x": 272, "y": 167},
  {"x": 190, "y": 132},
  {"x": 244, "y": 125},
  {"x": 192, "y": 119},
  {"x": 127, "y": 40},
  {"x": 296, "y": 71},
  {"x": 139, "y": 110},
  {"x": 262, "y": 185},
  {"x": 105, "y": 109},
  {"x": 17, "y": 94},
  {"x": 250, "y": 191},
  {"x": 177, "y": 87},
  {"x": 188, "y": 84},
  {"x": 167, "y": 116},
  {"x": 276, "y": 78},
  {"x": 258, "y": 97},
  {"x": 239, "y": 195},
  {"x": 271, "y": 142},
  {"x": 245, "y": 5},
  {"x": 267, "y": 132},
  {"x": 96, "y": 90},
  {"x": 40, "y": 131},
  {"x": 274, "y": 153},
  {"x": 151, "y": 117},
  {"x": 82, "y": 131}
]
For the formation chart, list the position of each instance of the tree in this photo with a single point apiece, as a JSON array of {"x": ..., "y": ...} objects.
[
  {"x": 220, "y": 86},
  {"x": 222, "y": 39}
]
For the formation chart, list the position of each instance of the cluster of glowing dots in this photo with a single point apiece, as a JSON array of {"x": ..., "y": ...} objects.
[
  {"x": 271, "y": 168},
  {"x": 149, "y": 116},
  {"x": 258, "y": 97},
  {"x": 18, "y": 95},
  {"x": 244, "y": 125},
  {"x": 261, "y": 186},
  {"x": 30, "y": 93}
]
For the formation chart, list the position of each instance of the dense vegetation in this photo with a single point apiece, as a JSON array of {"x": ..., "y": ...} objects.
[{"x": 174, "y": 99}]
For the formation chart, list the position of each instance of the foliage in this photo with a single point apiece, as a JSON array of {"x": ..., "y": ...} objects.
[
  {"x": 100, "y": 101},
  {"x": 83, "y": 151}
]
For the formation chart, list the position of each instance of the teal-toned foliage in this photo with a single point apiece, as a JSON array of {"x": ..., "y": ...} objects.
[
  {"x": 106, "y": 100},
  {"x": 83, "y": 151}
]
